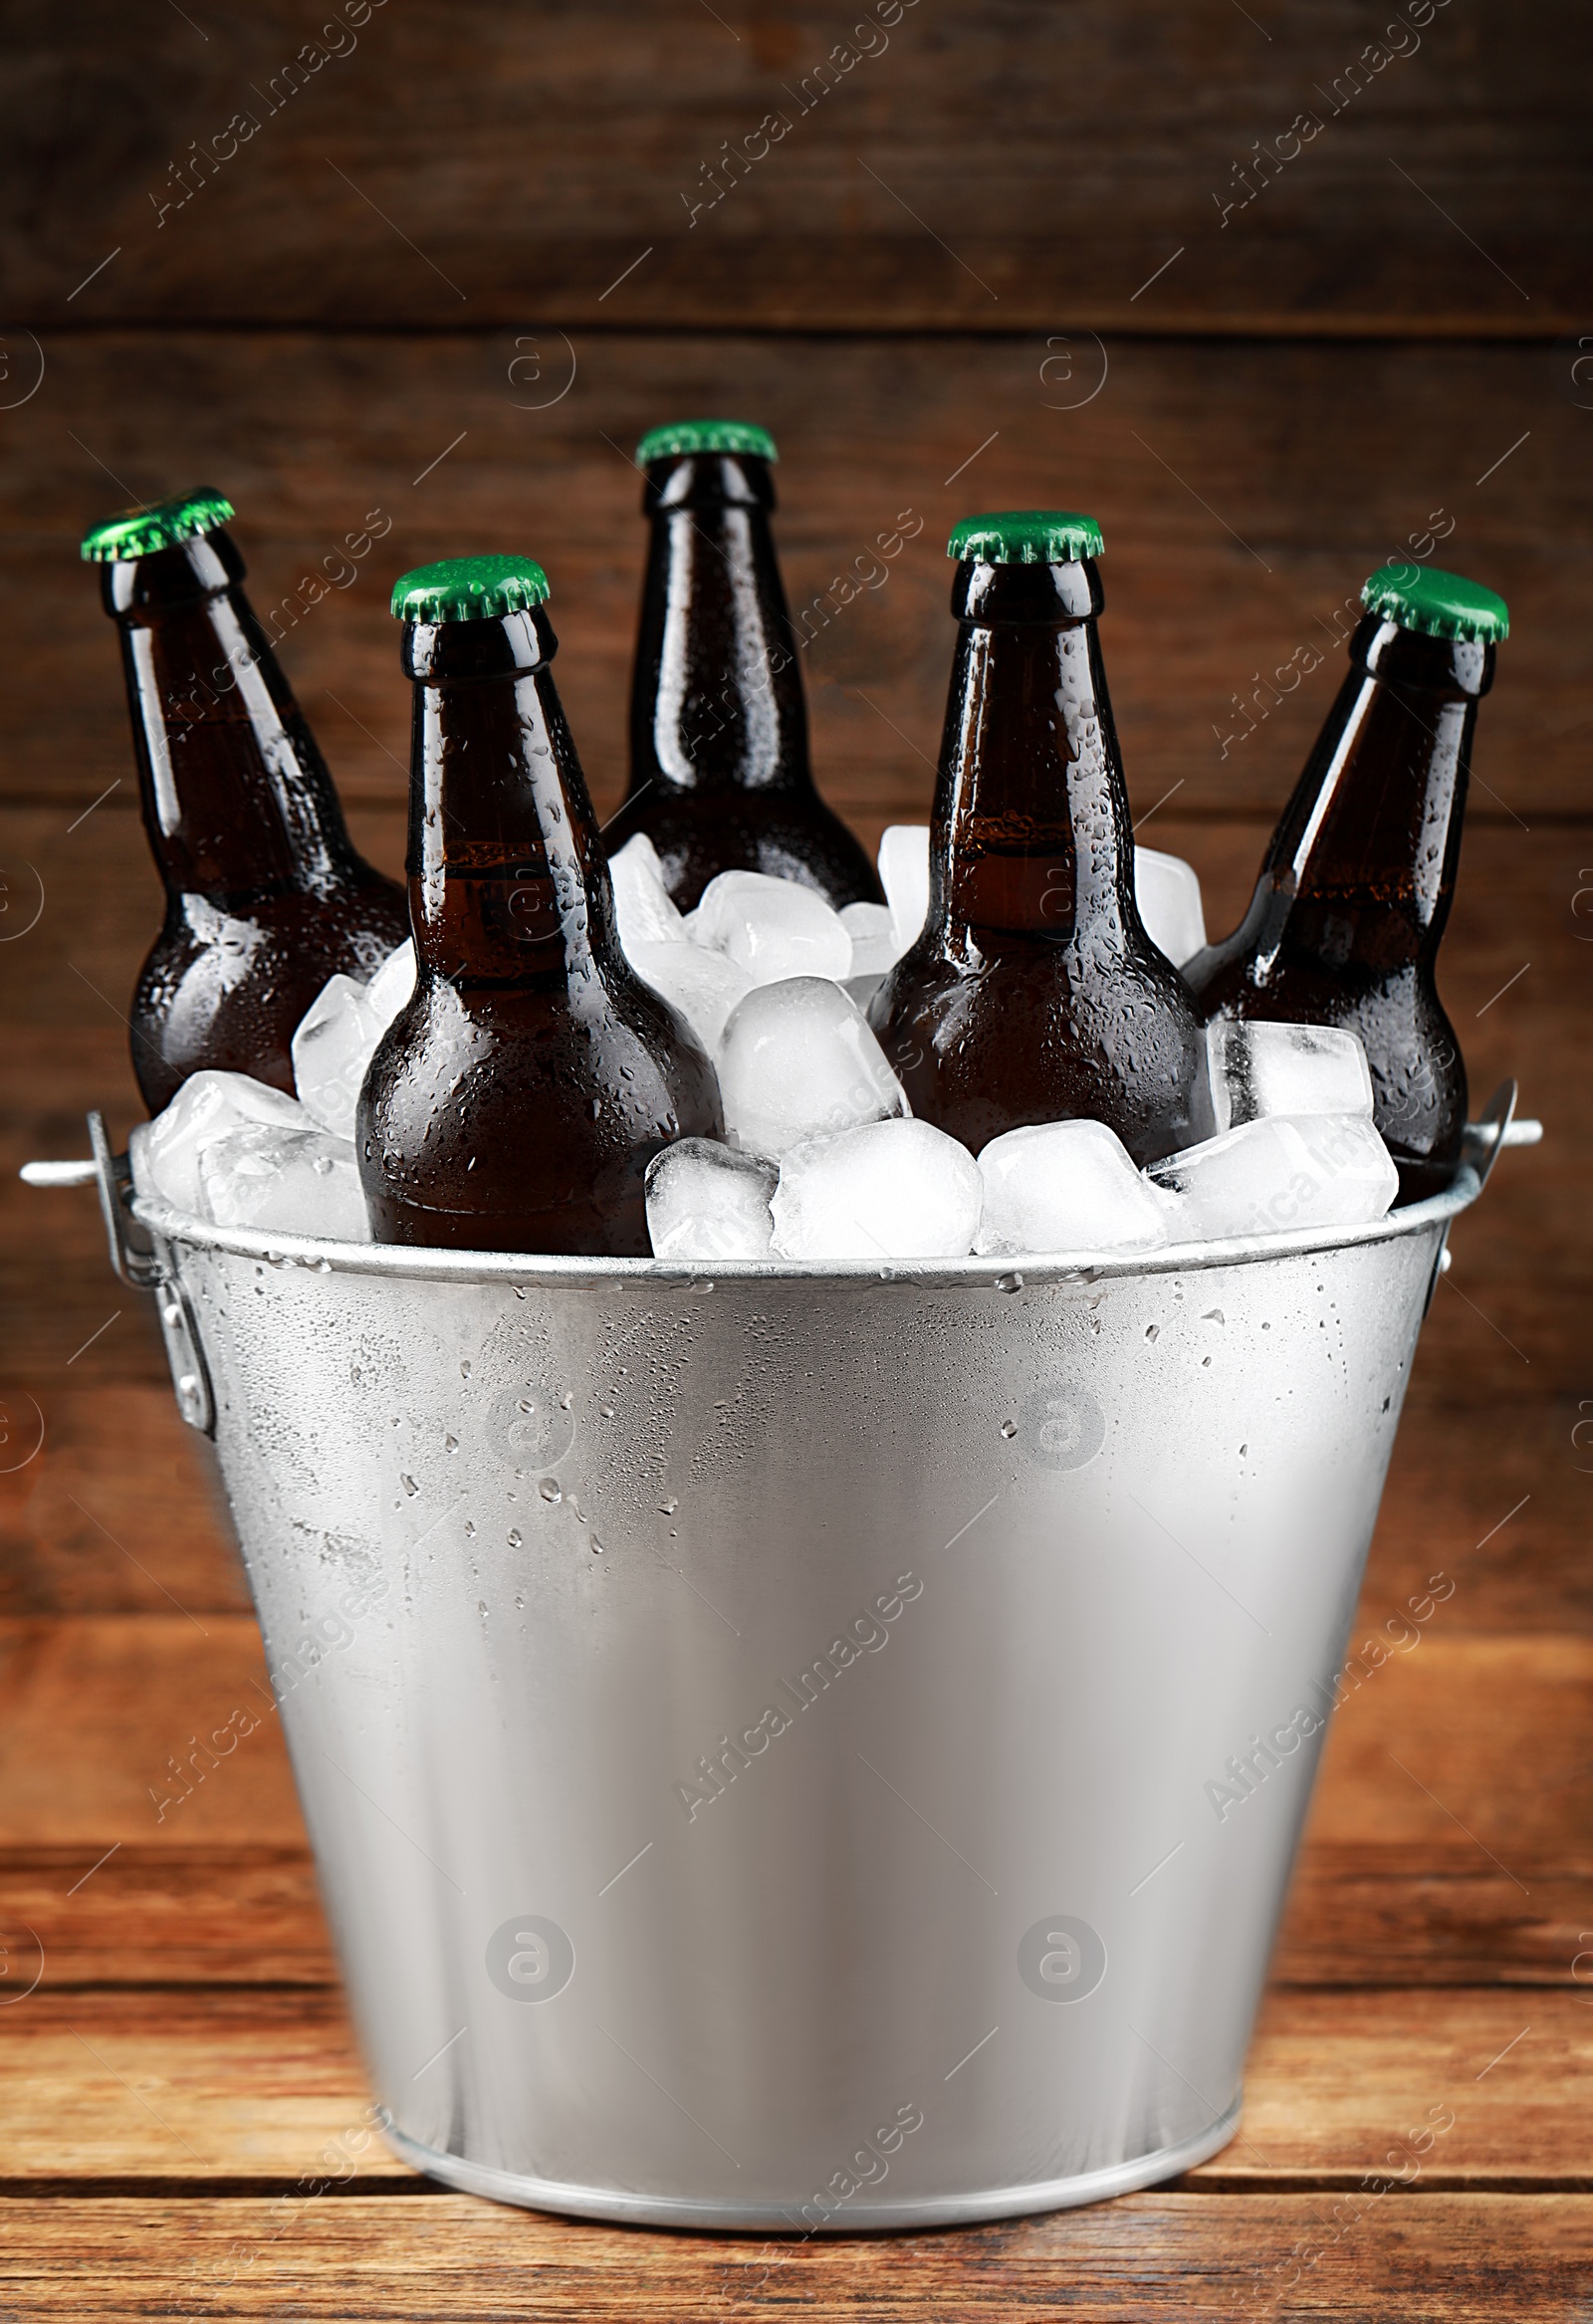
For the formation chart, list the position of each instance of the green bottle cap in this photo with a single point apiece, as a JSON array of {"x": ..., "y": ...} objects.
[
  {"x": 143, "y": 531},
  {"x": 1027, "y": 537},
  {"x": 705, "y": 435},
  {"x": 1439, "y": 605},
  {"x": 469, "y": 588}
]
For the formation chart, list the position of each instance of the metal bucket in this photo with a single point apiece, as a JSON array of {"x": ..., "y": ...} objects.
[{"x": 801, "y": 1751}]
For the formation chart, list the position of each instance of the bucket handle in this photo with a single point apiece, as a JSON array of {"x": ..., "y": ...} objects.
[
  {"x": 1490, "y": 1134},
  {"x": 1485, "y": 1139}
]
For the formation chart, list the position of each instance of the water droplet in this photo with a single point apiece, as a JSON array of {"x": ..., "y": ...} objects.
[
  {"x": 520, "y": 1605},
  {"x": 517, "y": 1540},
  {"x": 451, "y": 1441},
  {"x": 1243, "y": 1449},
  {"x": 464, "y": 1369},
  {"x": 409, "y": 1486},
  {"x": 1213, "y": 1315},
  {"x": 597, "y": 1546},
  {"x": 1152, "y": 1331},
  {"x": 470, "y": 1528},
  {"x": 1008, "y": 1282},
  {"x": 607, "y": 1410},
  {"x": 549, "y": 1489},
  {"x": 1008, "y": 1428},
  {"x": 667, "y": 1509}
]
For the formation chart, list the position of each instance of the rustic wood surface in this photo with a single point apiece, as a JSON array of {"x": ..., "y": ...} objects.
[
  {"x": 1011, "y": 166},
  {"x": 1245, "y": 490},
  {"x": 376, "y": 305}
]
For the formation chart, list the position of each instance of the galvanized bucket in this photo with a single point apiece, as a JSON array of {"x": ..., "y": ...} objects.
[{"x": 790, "y": 1750}]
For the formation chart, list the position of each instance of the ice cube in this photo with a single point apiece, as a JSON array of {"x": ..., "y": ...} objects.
[
  {"x": 873, "y": 935},
  {"x": 887, "y": 1190},
  {"x": 704, "y": 986},
  {"x": 771, "y": 929},
  {"x": 1300, "y": 1170},
  {"x": 283, "y": 1181},
  {"x": 1168, "y": 892},
  {"x": 334, "y": 1043},
  {"x": 704, "y": 1202},
  {"x": 1066, "y": 1186},
  {"x": 904, "y": 875},
  {"x": 646, "y": 910},
  {"x": 1261, "y": 1069},
  {"x": 392, "y": 983},
  {"x": 165, "y": 1152},
  {"x": 796, "y": 1060}
]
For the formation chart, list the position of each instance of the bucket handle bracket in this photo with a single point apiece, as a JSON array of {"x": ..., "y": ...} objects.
[{"x": 147, "y": 1266}]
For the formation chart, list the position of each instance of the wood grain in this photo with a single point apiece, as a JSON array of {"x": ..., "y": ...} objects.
[
  {"x": 1361, "y": 1913},
  {"x": 1002, "y": 167},
  {"x": 1447, "y": 1843},
  {"x": 248, "y": 2089},
  {"x": 433, "y": 206},
  {"x": 120, "y": 1506},
  {"x": 1434, "y": 2259},
  {"x": 1245, "y": 491},
  {"x": 95, "y": 1711}
]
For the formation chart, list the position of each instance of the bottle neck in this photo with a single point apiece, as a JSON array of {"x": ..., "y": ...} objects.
[
  {"x": 238, "y": 801},
  {"x": 717, "y": 699},
  {"x": 1031, "y": 835},
  {"x": 1365, "y": 854},
  {"x": 507, "y": 885}
]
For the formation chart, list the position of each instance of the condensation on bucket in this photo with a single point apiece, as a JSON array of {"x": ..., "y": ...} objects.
[{"x": 767, "y": 1740}]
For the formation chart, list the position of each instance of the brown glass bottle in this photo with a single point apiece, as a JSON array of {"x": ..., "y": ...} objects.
[
  {"x": 516, "y": 1101},
  {"x": 266, "y": 897},
  {"x": 1357, "y": 881},
  {"x": 1033, "y": 993},
  {"x": 720, "y": 778}
]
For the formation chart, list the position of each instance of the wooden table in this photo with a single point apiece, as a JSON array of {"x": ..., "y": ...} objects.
[{"x": 183, "y": 2124}]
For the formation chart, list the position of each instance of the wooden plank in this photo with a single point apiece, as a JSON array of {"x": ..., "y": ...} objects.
[
  {"x": 96, "y": 1711},
  {"x": 1361, "y": 1913},
  {"x": 121, "y": 1509},
  {"x": 996, "y": 168},
  {"x": 119, "y": 1506},
  {"x": 131, "y": 1914},
  {"x": 95, "y": 1708},
  {"x": 1245, "y": 490},
  {"x": 1365, "y": 1912},
  {"x": 247, "y": 2089},
  {"x": 1433, "y": 2258},
  {"x": 1442, "y": 1847}
]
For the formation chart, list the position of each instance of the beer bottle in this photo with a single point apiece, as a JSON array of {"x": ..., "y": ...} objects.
[
  {"x": 266, "y": 897},
  {"x": 1033, "y": 994},
  {"x": 516, "y": 1101},
  {"x": 1358, "y": 877},
  {"x": 720, "y": 779}
]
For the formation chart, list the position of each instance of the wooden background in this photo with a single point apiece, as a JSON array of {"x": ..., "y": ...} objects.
[{"x": 449, "y": 279}]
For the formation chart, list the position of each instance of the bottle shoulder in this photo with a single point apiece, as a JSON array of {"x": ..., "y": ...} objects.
[{"x": 608, "y": 1039}]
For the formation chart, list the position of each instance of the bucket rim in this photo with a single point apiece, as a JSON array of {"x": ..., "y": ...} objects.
[{"x": 426, "y": 1263}]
